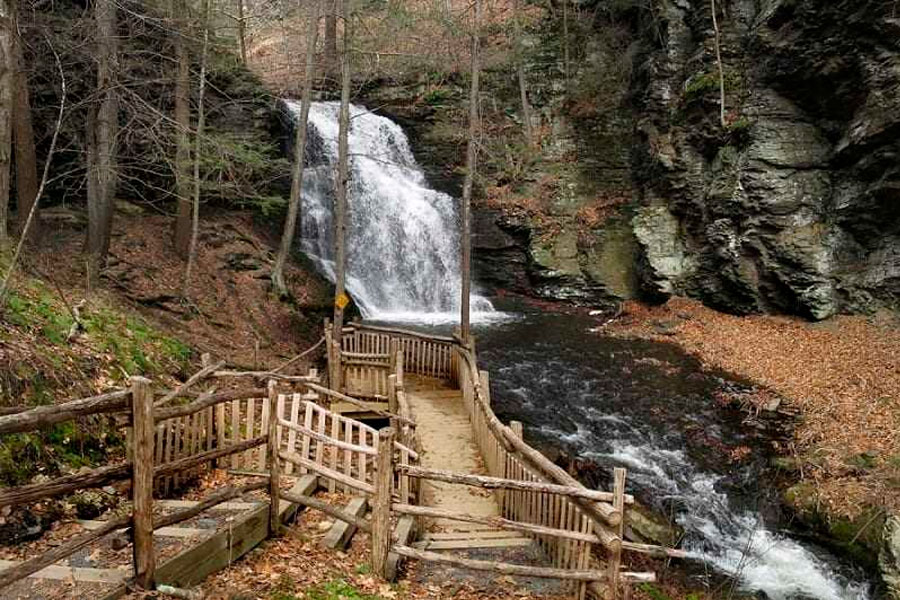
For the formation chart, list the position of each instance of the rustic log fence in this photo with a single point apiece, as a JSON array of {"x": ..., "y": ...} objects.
[
  {"x": 535, "y": 496},
  {"x": 295, "y": 435},
  {"x": 164, "y": 443}
]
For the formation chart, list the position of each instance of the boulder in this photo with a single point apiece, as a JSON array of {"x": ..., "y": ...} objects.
[{"x": 889, "y": 557}]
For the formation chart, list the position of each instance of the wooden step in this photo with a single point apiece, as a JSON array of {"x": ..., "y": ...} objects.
[
  {"x": 468, "y": 544},
  {"x": 341, "y": 532},
  {"x": 175, "y": 532},
  {"x": 67, "y": 573}
]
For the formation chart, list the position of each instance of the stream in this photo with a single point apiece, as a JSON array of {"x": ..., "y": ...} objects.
[
  {"x": 594, "y": 400},
  {"x": 649, "y": 407}
]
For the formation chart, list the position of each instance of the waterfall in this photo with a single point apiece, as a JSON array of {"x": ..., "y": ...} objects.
[{"x": 403, "y": 248}]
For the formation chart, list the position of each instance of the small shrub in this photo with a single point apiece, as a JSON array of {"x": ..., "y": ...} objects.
[{"x": 337, "y": 590}]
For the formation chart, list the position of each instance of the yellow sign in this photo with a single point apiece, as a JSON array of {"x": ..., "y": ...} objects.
[{"x": 341, "y": 301}]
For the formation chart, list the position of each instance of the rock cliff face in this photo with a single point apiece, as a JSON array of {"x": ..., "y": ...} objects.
[
  {"x": 795, "y": 205},
  {"x": 639, "y": 190}
]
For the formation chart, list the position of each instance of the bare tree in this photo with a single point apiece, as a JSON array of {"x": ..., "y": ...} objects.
[
  {"x": 201, "y": 121},
  {"x": 331, "y": 38},
  {"x": 293, "y": 213},
  {"x": 102, "y": 130},
  {"x": 565, "y": 4},
  {"x": 7, "y": 77},
  {"x": 340, "y": 210},
  {"x": 469, "y": 181},
  {"x": 242, "y": 31},
  {"x": 520, "y": 73},
  {"x": 718, "y": 43},
  {"x": 29, "y": 220},
  {"x": 179, "y": 29},
  {"x": 23, "y": 136}
]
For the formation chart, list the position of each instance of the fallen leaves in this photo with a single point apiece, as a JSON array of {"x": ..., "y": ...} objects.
[{"x": 841, "y": 376}]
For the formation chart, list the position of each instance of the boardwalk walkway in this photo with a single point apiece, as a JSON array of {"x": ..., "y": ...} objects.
[{"x": 447, "y": 442}]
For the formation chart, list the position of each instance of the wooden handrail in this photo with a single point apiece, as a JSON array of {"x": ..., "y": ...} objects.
[
  {"x": 500, "y": 567},
  {"x": 173, "y": 412},
  {"x": 360, "y": 403},
  {"x": 328, "y": 509},
  {"x": 42, "y": 417},
  {"x": 296, "y": 459},
  {"x": 494, "y": 522},
  {"x": 499, "y": 483},
  {"x": 64, "y": 485},
  {"x": 405, "y": 332},
  {"x": 368, "y": 450},
  {"x": 603, "y": 514}
]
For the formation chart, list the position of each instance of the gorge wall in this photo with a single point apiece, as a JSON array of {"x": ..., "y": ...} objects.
[{"x": 636, "y": 189}]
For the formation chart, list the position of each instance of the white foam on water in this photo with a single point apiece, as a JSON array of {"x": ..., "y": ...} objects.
[
  {"x": 736, "y": 542},
  {"x": 403, "y": 250}
]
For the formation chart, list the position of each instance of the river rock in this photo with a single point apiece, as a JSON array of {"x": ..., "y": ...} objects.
[
  {"x": 643, "y": 525},
  {"x": 889, "y": 558}
]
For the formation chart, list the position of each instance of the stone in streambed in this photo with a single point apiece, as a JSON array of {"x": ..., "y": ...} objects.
[
  {"x": 645, "y": 526},
  {"x": 889, "y": 557}
]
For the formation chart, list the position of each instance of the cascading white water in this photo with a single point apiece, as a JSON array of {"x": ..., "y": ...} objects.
[{"x": 402, "y": 237}]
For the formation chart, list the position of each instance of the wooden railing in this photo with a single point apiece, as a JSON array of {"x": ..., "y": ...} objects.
[
  {"x": 426, "y": 355},
  {"x": 155, "y": 434},
  {"x": 588, "y": 523}
]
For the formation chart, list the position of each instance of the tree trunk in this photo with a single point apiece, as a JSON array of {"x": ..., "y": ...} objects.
[
  {"x": 331, "y": 40},
  {"x": 520, "y": 73},
  {"x": 293, "y": 213},
  {"x": 7, "y": 76},
  {"x": 242, "y": 31},
  {"x": 23, "y": 135},
  {"x": 183, "y": 127},
  {"x": 565, "y": 4},
  {"x": 340, "y": 210},
  {"x": 105, "y": 128},
  {"x": 201, "y": 121},
  {"x": 719, "y": 64},
  {"x": 468, "y": 183}
]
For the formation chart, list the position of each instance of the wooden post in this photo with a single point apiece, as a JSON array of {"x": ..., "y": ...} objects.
[
  {"x": 381, "y": 510},
  {"x": 336, "y": 375},
  {"x": 615, "y": 558},
  {"x": 272, "y": 447},
  {"x": 142, "y": 481}
]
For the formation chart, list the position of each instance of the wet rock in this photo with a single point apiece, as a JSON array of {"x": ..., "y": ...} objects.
[
  {"x": 643, "y": 525},
  {"x": 889, "y": 557}
]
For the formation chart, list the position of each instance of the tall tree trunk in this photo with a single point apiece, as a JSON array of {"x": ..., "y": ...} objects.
[
  {"x": 242, "y": 31},
  {"x": 468, "y": 183},
  {"x": 23, "y": 135},
  {"x": 201, "y": 122},
  {"x": 520, "y": 73},
  {"x": 293, "y": 213},
  {"x": 7, "y": 77},
  {"x": 105, "y": 130},
  {"x": 719, "y": 63},
  {"x": 183, "y": 126},
  {"x": 331, "y": 39},
  {"x": 565, "y": 4},
  {"x": 340, "y": 209}
]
